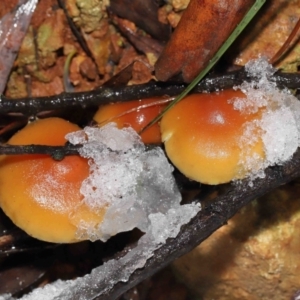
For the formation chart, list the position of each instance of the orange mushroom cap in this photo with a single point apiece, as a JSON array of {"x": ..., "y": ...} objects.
[
  {"x": 41, "y": 195},
  {"x": 202, "y": 136},
  {"x": 124, "y": 115}
]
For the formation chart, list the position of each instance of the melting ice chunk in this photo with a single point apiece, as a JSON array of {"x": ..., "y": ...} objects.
[
  {"x": 129, "y": 180},
  {"x": 278, "y": 126}
]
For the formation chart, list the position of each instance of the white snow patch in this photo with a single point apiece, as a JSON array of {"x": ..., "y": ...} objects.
[
  {"x": 278, "y": 126},
  {"x": 129, "y": 180},
  {"x": 49, "y": 291},
  {"x": 164, "y": 226},
  {"x": 6, "y": 297}
]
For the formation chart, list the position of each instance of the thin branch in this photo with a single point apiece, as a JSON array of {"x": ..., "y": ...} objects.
[
  {"x": 17, "y": 241},
  {"x": 56, "y": 152},
  {"x": 286, "y": 45},
  {"x": 105, "y": 95}
]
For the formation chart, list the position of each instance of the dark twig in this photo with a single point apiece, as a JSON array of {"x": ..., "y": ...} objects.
[
  {"x": 17, "y": 241},
  {"x": 286, "y": 45},
  {"x": 104, "y": 95},
  {"x": 56, "y": 152},
  {"x": 76, "y": 32}
]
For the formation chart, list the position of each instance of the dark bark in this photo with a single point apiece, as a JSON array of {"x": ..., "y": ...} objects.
[
  {"x": 104, "y": 95},
  {"x": 56, "y": 152}
]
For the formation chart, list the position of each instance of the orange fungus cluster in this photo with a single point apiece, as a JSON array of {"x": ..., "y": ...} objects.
[{"x": 202, "y": 136}]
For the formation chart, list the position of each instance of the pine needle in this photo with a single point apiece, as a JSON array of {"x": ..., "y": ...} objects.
[{"x": 67, "y": 84}]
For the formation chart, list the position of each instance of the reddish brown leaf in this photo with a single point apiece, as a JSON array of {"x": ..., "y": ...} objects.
[{"x": 203, "y": 28}]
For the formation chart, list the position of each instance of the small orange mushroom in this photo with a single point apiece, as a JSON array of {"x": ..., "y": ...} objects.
[
  {"x": 41, "y": 195},
  {"x": 202, "y": 136},
  {"x": 136, "y": 114}
]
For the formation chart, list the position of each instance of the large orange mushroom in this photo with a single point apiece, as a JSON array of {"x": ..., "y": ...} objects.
[
  {"x": 40, "y": 195},
  {"x": 203, "y": 137}
]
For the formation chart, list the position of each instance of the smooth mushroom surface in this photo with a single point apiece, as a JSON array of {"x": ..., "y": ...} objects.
[
  {"x": 136, "y": 114},
  {"x": 202, "y": 136},
  {"x": 41, "y": 195}
]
